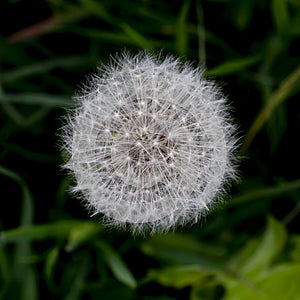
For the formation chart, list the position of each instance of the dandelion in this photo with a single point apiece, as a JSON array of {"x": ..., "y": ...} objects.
[{"x": 150, "y": 144}]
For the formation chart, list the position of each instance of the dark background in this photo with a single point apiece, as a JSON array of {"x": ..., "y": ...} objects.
[{"x": 247, "y": 248}]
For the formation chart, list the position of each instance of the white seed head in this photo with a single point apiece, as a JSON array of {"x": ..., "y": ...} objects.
[{"x": 150, "y": 143}]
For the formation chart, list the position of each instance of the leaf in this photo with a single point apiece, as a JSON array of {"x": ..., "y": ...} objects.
[
  {"x": 181, "y": 40},
  {"x": 233, "y": 66},
  {"x": 98, "y": 9},
  {"x": 27, "y": 209},
  {"x": 5, "y": 272},
  {"x": 261, "y": 253},
  {"x": 287, "y": 87},
  {"x": 50, "y": 263},
  {"x": 59, "y": 229},
  {"x": 77, "y": 284},
  {"x": 201, "y": 34},
  {"x": 262, "y": 193},
  {"x": 280, "y": 15},
  {"x": 295, "y": 252},
  {"x": 117, "y": 265},
  {"x": 185, "y": 250},
  {"x": 294, "y": 28},
  {"x": 247, "y": 291},
  {"x": 136, "y": 37},
  {"x": 81, "y": 234},
  {"x": 204, "y": 291},
  {"x": 280, "y": 282},
  {"x": 242, "y": 13},
  {"x": 179, "y": 276},
  {"x": 45, "y": 100},
  {"x": 23, "y": 273},
  {"x": 43, "y": 67}
]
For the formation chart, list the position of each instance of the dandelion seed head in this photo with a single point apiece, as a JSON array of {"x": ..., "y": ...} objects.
[{"x": 150, "y": 143}]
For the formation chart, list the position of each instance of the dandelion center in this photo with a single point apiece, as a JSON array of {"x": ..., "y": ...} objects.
[{"x": 149, "y": 151}]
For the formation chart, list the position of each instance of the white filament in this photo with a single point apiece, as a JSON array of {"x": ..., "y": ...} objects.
[{"x": 150, "y": 143}]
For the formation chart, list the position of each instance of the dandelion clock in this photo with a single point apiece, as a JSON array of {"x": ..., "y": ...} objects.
[{"x": 150, "y": 143}]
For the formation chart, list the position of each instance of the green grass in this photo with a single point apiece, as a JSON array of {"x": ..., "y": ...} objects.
[{"x": 247, "y": 248}]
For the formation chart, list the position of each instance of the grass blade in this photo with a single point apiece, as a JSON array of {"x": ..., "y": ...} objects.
[
  {"x": 117, "y": 266},
  {"x": 269, "y": 192},
  {"x": 51, "y": 101},
  {"x": 288, "y": 86},
  {"x": 43, "y": 67},
  {"x": 181, "y": 39}
]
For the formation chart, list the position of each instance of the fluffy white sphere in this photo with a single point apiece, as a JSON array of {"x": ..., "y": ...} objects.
[{"x": 150, "y": 143}]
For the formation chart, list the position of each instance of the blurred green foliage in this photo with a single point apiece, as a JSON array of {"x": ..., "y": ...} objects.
[{"x": 247, "y": 249}]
